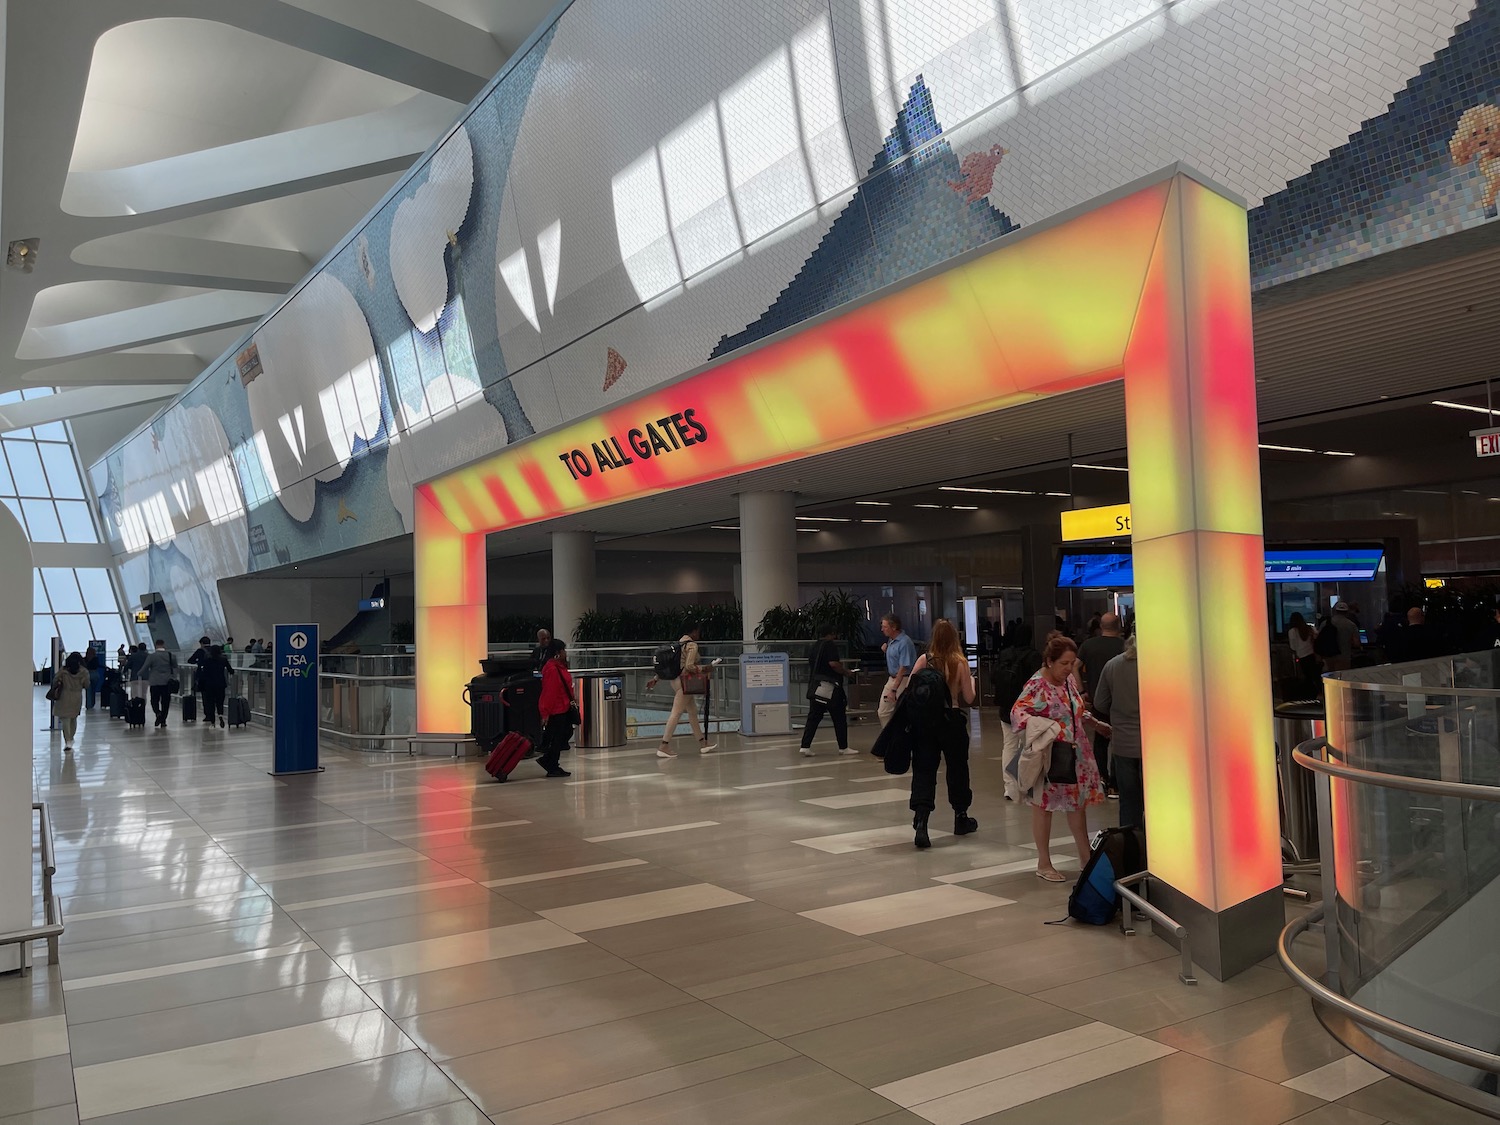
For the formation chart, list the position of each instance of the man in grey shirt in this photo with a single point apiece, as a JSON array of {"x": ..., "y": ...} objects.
[
  {"x": 1118, "y": 702},
  {"x": 159, "y": 670}
]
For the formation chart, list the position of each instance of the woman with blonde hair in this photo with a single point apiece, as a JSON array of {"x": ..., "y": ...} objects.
[
  {"x": 1051, "y": 706},
  {"x": 949, "y": 742}
]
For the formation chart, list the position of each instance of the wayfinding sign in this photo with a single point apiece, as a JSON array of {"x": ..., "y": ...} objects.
[
  {"x": 1486, "y": 442},
  {"x": 294, "y": 667}
]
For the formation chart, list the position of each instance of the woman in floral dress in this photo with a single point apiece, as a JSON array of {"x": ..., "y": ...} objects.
[{"x": 1052, "y": 694}]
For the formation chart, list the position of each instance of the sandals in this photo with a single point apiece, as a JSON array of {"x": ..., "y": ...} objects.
[{"x": 1050, "y": 876}]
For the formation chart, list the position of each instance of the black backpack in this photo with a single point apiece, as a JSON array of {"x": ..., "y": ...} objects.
[
  {"x": 920, "y": 714},
  {"x": 1117, "y": 853},
  {"x": 1326, "y": 643},
  {"x": 668, "y": 661}
]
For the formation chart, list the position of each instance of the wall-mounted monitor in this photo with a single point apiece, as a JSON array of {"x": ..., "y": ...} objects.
[
  {"x": 1095, "y": 569},
  {"x": 1323, "y": 564},
  {"x": 1099, "y": 569}
]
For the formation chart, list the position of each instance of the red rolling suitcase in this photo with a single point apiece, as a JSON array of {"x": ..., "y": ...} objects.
[{"x": 513, "y": 747}]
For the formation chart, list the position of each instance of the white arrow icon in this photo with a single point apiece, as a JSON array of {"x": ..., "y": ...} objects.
[{"x": 298, "y": 640}]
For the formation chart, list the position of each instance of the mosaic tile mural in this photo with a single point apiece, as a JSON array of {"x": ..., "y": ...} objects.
[{"x": 658, "y": 184}]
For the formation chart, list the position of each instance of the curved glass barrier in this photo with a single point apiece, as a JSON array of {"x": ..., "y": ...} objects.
[{"x": 1409, "y": 811}]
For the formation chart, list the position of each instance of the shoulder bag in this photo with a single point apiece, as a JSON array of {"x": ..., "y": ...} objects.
[{"x": 574, "y": 715}]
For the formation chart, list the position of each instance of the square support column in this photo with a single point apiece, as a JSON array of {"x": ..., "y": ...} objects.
[
  {"x": 452, "y": 622},
  {"x": 1200, "y": 587}
]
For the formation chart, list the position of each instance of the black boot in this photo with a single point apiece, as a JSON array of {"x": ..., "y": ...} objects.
[
  {"x": 919, "y": 822},
  {"x": 963, "y": 823}
]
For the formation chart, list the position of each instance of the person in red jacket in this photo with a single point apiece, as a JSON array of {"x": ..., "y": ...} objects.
[{"x": 555, "y": 705}]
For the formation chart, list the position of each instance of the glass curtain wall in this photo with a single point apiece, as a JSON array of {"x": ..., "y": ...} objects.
[{"x": 41, "y": 484}]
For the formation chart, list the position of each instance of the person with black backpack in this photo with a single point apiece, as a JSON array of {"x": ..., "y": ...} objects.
[
  {"x": 944, "y": 736},
  {"x": 678, "y": 665}
]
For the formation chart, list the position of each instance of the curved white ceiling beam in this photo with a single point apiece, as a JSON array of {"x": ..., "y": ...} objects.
[
  {"x": 66, "y": 405},
  {"x": 165, "y": 320},
  {"x": 264, "y": 166},
  {"x": 431, "y": 33},
  {"x": 171, "y": 370},
  {"x": 175, "y": 259}
]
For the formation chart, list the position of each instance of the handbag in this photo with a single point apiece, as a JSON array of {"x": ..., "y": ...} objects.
[
  {"x": 694, "y": 683},
  {"x": 574, "y": 715},
  {"x": 1063, "y": 768},
  {"x": 54, "y": 690},
  {"x": 823, "y": 690}
]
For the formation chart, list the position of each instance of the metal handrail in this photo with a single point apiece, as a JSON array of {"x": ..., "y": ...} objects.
[
  {"x": 1158, "y": 917},
  {"x": 1462, "y": 789},
  {"x": 51, "y": 905},
  {"x": 1368, "y": 1017}
]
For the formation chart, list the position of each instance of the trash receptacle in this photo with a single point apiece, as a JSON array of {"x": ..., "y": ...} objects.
[
  {"x": 601, "y": 708},
  {"x": 1295, "y": 724}
]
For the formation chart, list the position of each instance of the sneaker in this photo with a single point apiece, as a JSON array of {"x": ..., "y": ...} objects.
[
  {"x": 806, "y": 753},
  {"x": 707, "y": 747},
  {"x": 1113, "y": 794},
  {"x": 67, "y": 749},
  {"x": 559, "y": 772},
  {"x": 848, "y": 751},
  {"x": 663, "y": 752}
]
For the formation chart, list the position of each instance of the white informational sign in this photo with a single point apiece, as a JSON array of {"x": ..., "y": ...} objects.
[{"x": 765, "y": 675}]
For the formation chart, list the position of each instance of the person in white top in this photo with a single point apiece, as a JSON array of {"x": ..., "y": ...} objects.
[
  {"x": 681, "y": 703},
  {"x": 1300, "y": 635}
]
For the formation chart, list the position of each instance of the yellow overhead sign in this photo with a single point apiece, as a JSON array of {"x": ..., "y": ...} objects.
[{"x": 1112, "y": 522}]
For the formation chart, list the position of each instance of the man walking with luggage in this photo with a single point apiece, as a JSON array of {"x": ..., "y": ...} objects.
[
  {"x": 160, "y": 669},
  {"x": 688, "y": 669}
]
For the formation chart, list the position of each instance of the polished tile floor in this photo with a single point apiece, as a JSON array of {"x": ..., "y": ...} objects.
[{"x": 739, "y": 938}]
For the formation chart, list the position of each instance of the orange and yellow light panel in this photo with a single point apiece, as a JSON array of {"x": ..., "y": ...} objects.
[{"x": 1151, "y": 286}]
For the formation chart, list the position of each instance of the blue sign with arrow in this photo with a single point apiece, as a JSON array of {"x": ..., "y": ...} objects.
[{"x": 295, "y": 669}]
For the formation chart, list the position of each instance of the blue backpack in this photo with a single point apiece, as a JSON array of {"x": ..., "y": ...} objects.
[{"x": 1116, "y": 854}]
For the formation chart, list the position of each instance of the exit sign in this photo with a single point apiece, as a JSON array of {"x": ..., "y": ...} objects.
[{"x": 1486, "y": 442}]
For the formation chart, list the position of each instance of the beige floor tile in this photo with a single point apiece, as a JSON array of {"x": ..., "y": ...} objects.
[
  {"x": 1059, "y": 955},
  {"x": 686, "y": 930},
  {"x": 795, "y": 1090},
  {"x": 834, "y": 997},
  {"x": 425, "y": 956},
  {"x": 1149, "y": 997},
  {"x": 541, "y": 1070},
  {"x": 571, "y": 1107},
  {"x": 1335, "y": 1115},
  {"x": 1176, "y": 1089},
  {"x": 793, "y": 943},
  {"x": 472, "y": 1028},
  {"x": 906, "y": 908},
  {"x": 405, "y": 996},
  {"x": 1394, "y": 1101},
  {"x": 878, "y": 1049},
  {"x": 1274, "y": 1037},
  {"x": 553, "y": 894},
  {"x": 648, "y": 906}
]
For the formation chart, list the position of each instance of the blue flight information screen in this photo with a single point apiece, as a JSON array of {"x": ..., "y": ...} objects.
[{"x": 1095, "y": 570}]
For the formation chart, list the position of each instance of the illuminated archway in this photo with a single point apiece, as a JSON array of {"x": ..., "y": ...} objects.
[{"x": 1151, "y": 285}]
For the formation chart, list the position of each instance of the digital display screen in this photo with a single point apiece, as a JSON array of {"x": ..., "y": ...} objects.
[
  {"x": 1095, "y": 569},
  {"x": 1112, "y": 569},
  {"x": 1322, "y": 564}
]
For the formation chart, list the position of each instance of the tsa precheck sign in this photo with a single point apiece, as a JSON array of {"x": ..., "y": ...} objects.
[{"x": 296, "y": 716}]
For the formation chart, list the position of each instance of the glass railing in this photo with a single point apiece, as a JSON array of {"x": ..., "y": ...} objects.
[
  {"x": 1408, "y": 790},
  {"x": 368, "y": 702}
]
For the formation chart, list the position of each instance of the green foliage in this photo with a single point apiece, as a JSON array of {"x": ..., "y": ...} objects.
[
  {"x": 516, "y": 628},
  {"x": 720, "y": 622},
  {"x": 835, "y": 610}
]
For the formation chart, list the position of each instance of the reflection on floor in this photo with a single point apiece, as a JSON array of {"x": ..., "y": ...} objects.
[{"x": 698, "y": 940}]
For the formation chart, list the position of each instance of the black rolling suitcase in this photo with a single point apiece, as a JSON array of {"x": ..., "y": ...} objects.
[
  {"x": 190, "y": 708},
  {"x": 238, "y": 712},
  {"x": 117, "y": 704},
  {"x": 135, "y": 713}
]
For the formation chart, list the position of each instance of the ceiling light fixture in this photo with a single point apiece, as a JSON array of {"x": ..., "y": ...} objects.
[
  {"x": 1104, "y": 468},
  {"x": 872, "y": 503},
  {"x": 1465, "y": 406},
  {"x": 1064, "y": 495},
  {"x": 810, "y": 530},
  {"x": 1288, "y": 448},
  {"x": 966, "y": 507},
  {"x": 987, "y": 491},
  {"x": 929, "y": 506},
  {"x": 825, "y": 519},
  {"x": 722, "y": 527},
  {"x": 874, "y": 521}
]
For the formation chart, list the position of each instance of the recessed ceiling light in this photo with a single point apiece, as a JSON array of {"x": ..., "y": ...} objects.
[
  {"x": 966, "y": 507},
  {"x": 1464, "y": 406},
  {"x": 929, "y": 505},
  {"x": 1335, "y": 453},
  {"x": 810, "y": 530},
  {"x": 1064, "y": 495},
  {"x": 825, "y": 519},
  {"x": 1288, "y": 448},
  {"x": 872, "y": 503},
  {"x": 1105, "y": 468},
  {"x": 874, "y": 521},
  {"x": 722, "y": 527}
]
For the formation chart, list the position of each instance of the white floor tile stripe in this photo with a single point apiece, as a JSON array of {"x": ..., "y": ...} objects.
[
  {"x": 189, "y": 966},
  {"x": 1337, "y": 1079},
  {"x": 781, "y": 784},
  {"x": 367, "y": 896},
  {"x": 859, "y": 800},
  {"x": 617, "y": 777},
  {"x": 865, "y": 839},
  {"x": 28, "y": 1040},
  {"x": 175, "y": 904},
  {"x": 562, "y": 873},
  {"x": 651, "y": 831},
  {"x": 427, "y": 956},
  {"x": 641, "y": 908},
  {"x": 334, "y": 865},
  {"x": 233, "y": 1064},
  {"x": 1059, "y": 861},
  {"x": 823, "y": 765},
  {"x": 241, "y": 833},
  {"x": 909, "y": 908}
]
